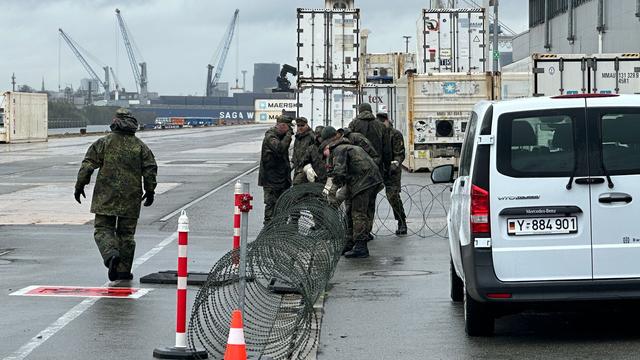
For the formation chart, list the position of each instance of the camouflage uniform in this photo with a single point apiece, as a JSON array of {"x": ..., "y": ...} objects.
[
  {"x": 123, "y": 161},
  {"x": 393, "y": 177},
  {"x": 275, "y": 170},
  {"x": 300, "y": 148},
  {"x": 313, "y": 156},
  {"x": 366, "y": 124},
  {"x": 353, "y": 167}
]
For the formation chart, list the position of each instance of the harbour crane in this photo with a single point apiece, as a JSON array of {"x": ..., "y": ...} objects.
[
  {"x": 220, "y": 55},
  {"x": 74, "y": 47},
  {"x": 140, "y": 75},
  {"x": 115, "y": 82}
]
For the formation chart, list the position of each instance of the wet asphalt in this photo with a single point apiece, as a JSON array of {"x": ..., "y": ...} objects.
[{"x": 393, "y": 305}]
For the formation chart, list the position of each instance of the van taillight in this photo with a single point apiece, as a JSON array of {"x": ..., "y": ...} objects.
[{"x": 479, "y": 210}]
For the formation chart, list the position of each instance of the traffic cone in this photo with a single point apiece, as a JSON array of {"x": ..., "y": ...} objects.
[{"x": 236, "y": 348}]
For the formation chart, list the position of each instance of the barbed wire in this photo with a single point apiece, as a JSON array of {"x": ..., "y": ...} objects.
[
  {"x": 425, "y": 207},
  {"x": 289, "y": 266}
]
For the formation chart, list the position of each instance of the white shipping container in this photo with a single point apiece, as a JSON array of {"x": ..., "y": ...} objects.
[
  {"x": 328, "y": 45},
  {"x": 381, "y": 97},
  {"x": 268, "y": 110},
  {"x": 452, "y": 40},
  {"x": 433, "y": 112},
  {"x": 25, "y": 117},
  {"x": 327, "y": 105},
  {"x": 566, "y": 74}
]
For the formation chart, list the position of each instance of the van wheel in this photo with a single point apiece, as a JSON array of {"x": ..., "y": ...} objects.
[
  {"x": 478, "y": 318},
  {"x": 457, "y": 286}
]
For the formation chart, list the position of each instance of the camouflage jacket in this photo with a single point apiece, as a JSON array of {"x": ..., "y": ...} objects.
[
  {"x": 352, "y": 166},
  {"x": 374, "y": 130},
  {"x": 300, "y": 146},
  {"x": 360, "y": 140},
  {"x": 123, "y": 161},
  {"x": 275, "y": 169},
  {"x": 313, "y": 156},
  {"x": 397, "y": 154}
]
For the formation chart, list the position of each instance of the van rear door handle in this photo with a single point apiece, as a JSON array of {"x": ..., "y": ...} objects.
[
  {"x": 615, "y": 198},
  {"x": 589, "y": 181}
]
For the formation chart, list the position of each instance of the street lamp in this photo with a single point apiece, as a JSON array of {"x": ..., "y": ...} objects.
[{"x": 406, "y": 41}]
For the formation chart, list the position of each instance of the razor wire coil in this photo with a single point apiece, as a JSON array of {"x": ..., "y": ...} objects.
[{"x": 288, "y": 268}]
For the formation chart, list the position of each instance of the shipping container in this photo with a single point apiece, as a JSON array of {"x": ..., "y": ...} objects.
[
  {"x": 25, "y": 117},
  {"x": 328, "y": 45},
  {"x": 381, "y": 97},
  {"x": 565, "y": 74},
  {"x": 433, "y": 112},
  {"x": 452, "y": 40},
  {"x": 268, "y": 110},
  {"x": 327, "y": 104}
]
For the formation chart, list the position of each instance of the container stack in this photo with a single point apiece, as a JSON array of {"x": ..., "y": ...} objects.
[
  {"x": 328, "y": 65},
  {"x": 435, "y": 104}
]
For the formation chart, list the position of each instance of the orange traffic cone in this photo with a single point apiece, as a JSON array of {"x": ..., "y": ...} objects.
[{"x": 236, "y": 348}]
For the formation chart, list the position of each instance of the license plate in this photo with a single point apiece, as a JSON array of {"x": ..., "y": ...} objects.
[{"x": 543, "y": 226}]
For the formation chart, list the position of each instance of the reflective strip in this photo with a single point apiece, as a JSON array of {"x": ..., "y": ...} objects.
[
  {"x": 183, "y": 227},
  {"x": 182, "y": 283},
  {"x": 236, "y": 337},
  {"x": 236, "y": 210},
  {"x": 181, "y": 340},
  {"x": 236, "y": 232},
  {"x": 542, "y": 248},
  {"x": 182, "y": 250}
]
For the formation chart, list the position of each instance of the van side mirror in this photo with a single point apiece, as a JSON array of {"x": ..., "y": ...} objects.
[{"x": 442, "y": 174}]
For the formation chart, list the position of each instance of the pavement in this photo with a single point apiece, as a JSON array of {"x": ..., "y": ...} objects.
[{"x": 393, "y": 305}]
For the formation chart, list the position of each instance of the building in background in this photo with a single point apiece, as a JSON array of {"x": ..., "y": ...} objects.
[
  {"x": 264, "y": 77},
  {"x": 579, "y": 27}
]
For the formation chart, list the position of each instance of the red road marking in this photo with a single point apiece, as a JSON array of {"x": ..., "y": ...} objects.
[{"x": 81, "y": 291}]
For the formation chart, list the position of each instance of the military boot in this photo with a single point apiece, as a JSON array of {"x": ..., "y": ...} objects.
[
  {"x": 113, "y": 263},
  {"x": 359, "y": 251},
  {"x": 402, "y": 227},
  {"x": 125, "y": 276},
  {"x": 348, "y": 246}
]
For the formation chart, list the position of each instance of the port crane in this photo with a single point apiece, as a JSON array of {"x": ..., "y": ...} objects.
[
  {"x": 140, "y": 75},
  {"x": 220, "y": 55},
  {"x": 74, "y": 48}
]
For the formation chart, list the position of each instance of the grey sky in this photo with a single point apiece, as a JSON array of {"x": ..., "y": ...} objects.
[{"x": 177, "y": 38}]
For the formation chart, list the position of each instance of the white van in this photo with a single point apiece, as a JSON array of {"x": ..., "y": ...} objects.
[{"x": 546, "y": 207}]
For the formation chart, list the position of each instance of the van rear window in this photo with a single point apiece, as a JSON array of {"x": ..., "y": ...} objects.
[
  {"x": 621, "y": 142},
  {"x": 538, "y": 144}
]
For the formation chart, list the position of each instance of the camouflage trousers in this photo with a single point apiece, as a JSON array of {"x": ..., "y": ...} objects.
[
  {"x": 271, "y": 196},
  {"x": 114, "y": 235},
  {"x": 370, "y": 210},
  {"x": 360, "y": 218},
  {"x": 393, "y": 196}
]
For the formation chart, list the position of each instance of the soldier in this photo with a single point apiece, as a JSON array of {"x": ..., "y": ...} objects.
[
  {"x": 275, "y": 170},
  {"x": 360, "y": 140},
  {"x": 312, "y": 162},
  {"x": 393, "y": 176},
  {"x": 123, "y": 160},
  {"x": 351, "y": 166},
  {"x": 365, "y": 123},
  {"x": 302, "y": 170}
]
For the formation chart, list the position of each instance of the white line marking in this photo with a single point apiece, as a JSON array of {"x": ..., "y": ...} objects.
[
  {"x": 77, "y": 310},
  {"x": 209, "y": 193}
]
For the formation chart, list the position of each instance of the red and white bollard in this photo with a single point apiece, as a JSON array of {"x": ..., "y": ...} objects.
[
  {"x": 180, "y": 350},
  {"x": 181, "y": 318},
  {"x": 236, "y": 216}
]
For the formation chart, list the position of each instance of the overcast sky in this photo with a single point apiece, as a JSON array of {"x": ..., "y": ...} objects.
[{"x": 177, "y": 38}]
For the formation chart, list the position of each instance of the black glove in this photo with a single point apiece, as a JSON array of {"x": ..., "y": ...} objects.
[
  {"x": 148, "y": 198},
  {"x": 79, "y": 191}
]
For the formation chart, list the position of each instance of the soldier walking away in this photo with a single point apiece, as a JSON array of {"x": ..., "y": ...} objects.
[
  {"x": 126, "y": 167},
  {"x": 351, "y": 166},
  {"x": 393, "y": 176},
  {"x": 305, "y": 138},
  {"x": 275, "y": 170}
]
